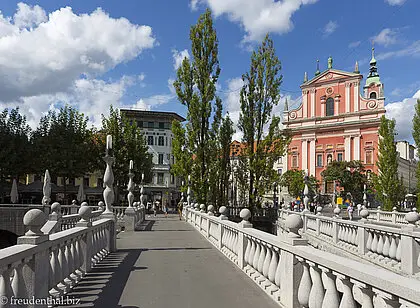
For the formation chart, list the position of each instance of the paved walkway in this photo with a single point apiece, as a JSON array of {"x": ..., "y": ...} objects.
[{"x": 172, "y": 266}]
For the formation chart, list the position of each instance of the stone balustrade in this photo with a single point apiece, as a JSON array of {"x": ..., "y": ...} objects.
[
  {"x": 395, "y": 247},
  {"x": 295, "y": 274},
  {"x": 45, "y": 267},
  {"x": 393, "y": 217}
]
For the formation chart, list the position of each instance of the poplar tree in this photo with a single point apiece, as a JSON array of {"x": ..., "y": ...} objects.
[
  {"x": 416, "y": 137},
  {"x": 260, "y": 93},
  {"x": 386, "y": 183},
  {"x": 196, "y": 88}
]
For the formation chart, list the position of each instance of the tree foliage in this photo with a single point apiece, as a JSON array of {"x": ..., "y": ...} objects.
[
  {"x": 388, "y": 186},
  {"x": 351, "y": 175},
  {"x": 196, "y": 88},
  {"x": 128, "y": 143},
  {"x": 14, "y": 145},
  {"x": 64, "y": 145},
  {"x": 294, "y": 181},
  {"x": 416, "y": 137},
  {"x": 260, "y": 93}
]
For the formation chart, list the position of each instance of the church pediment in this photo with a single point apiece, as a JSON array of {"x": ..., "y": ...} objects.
[{"x": 330, "y": 75}]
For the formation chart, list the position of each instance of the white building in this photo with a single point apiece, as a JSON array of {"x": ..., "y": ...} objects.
[
  {"x": 156, "y": 127},
  {"x": 407, "y": 164}
]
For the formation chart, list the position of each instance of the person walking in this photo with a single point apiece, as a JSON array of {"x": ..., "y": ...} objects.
[
  {"x": 165, "y": 209},
  {"x": 350, "y": 211},
  {"x": 154, "y": 208},
  {"x": 180, "y": 207}
]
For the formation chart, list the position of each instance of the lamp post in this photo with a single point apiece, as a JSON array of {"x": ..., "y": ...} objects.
[
  {"x": 108, "y": 178},
  {"x": 142, "y": 190},
  {"x": 275, "y": 205}
]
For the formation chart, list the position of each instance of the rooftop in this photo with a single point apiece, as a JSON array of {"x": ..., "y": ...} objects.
[{"x": 147, "y": 113}]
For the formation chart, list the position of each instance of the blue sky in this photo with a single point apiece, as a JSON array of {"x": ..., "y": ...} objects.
[{"x": 91, "y": 59}]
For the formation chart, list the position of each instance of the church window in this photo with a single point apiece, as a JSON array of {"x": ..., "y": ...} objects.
[
  {"x": 368, "y": 159},
  {"x": 330, "y": 107},
  {"x": 339, "y": 156},
  {"x": 294, "y": 161},
  {"x": 372, "y": 95},
  {"x": 319, "y": 160}
]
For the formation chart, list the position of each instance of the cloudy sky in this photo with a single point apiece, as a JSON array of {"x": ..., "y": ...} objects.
[{"x": 91, "y": 54}]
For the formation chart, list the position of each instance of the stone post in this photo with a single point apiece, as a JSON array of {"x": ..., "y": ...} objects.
[
  {"x": 335, "y": 230},
  {"x": 130, "y": 213},
  {"x": 408, "y": 245},
  {"x": 394, "y": 215},
  {"x": 73, "y": 207},
  {"x": 36, "y": 273},
  {"x": 378, "y": 214},
  {"x": 108, "y": 182},
  {"x": 290, "y": 268},
  {"x": 56, "y": 215},
  {"x": 245, "y": 214},
  {"x": 223, "y": 211},
  {"x": 142, "y": 190},
  {"x": 85, "y": 213}
]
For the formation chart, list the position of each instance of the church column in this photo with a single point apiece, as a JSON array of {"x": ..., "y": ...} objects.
[
  {"x": 347, "y": 148},
  {"x": 305, "y": 106},
  {"x": 356, "y": 147},
  {"x": 312, "y": 157},
  {"x": 356, "y": 96},
  {"x": 347, "y": 97},
  {"x": 313, "y": 91},
  {"x": 336, "y": 104},
  {"x": 323, "y": 100},
  {"x": 304, "y": 154}
]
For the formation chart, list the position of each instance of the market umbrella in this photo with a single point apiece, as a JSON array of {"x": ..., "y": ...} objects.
[
  {"x": 47, "y": 188},
  {"x": 81, "y": 196},
  {"x": 14, "y": 192}
]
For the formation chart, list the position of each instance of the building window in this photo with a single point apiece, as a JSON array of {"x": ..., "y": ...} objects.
[
  {"x": 151, "y": 124},
  {"x": 319, "y": 160},
  {"x": 160, "y": 159},
  {"x": 166, "y": 139},
  {"x": 172, "y": 159},
  {"x": 368, "y": 159},
  {"x": 339, "y": 156},
  {"x": 172, "y": 179},
  {"x": 280, "y": 171},
  {"x": 294, "y": 161},
  {"x": 150, "y": 140},
  {"x": 280, "y": 160},
  {"x": 99, "y": 183},
  {"x": 372, "y": 95},
  {"x": 161, "y": 125},
  {"x": 140, "y": 124},
  {"x": 86, "y": 182},
  {"x": 329, "y": 159},
  {"x": 161, "y": 141},
  {"x": 330, "y": 107},
  {"x": 160, "y": 178}
]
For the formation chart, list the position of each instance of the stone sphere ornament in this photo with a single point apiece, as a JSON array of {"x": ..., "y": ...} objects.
[
  {"x": 364, "y": 213},
  {"x": 34, "y": 220},
  {"x": 85, "y": 213},
  {"x": 294, "y": 222},
  {"x": 56, "y": 208},
  {"x": 412, "y": 217},
  {"x": 245, "y": 214}
]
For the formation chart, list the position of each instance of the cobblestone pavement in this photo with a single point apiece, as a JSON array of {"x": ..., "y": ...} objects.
[{"x": 171, "y": 265}]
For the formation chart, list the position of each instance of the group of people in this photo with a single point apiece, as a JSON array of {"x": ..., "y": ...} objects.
[{"x": 156, "y": 206}]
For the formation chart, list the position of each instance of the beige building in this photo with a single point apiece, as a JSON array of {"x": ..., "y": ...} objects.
[{"x": 407, "y": 164}]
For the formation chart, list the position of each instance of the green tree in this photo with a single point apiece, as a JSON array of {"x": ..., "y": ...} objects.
[
  {"x": 416, "y": 137},
  {"x": 196, "y": 88},
  {"x": 386, "y": 183},
  {"x": 260, "y": 93},
  {"x": 64, "y": 145},
  {"x": 128, "y": 143},
  {"x": 294, "y": 181},
  {"x": 351, "y": 175}
]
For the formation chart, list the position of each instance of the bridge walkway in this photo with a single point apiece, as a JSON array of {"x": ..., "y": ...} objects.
[{"x": 170, "y": 265}]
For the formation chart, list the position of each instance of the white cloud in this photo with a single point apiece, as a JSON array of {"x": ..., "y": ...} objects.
[
  {"x": 330, "y": 28},
  {"x": 399, "y": 112},
  {"x": 411, "y": 50},
  {"x": 257, "y": 17},
  {"x": 395, "y": 2},
  {"x": 386, "y": 37},
  {"x": 194, "y": 4},
  {"x": 355, "y": 44},
  {"x": 179, "y": 56},
  {"x": 42, "y": 56}
]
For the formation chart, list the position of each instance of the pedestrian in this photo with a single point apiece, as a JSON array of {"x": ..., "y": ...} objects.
[
  {"x": 180, "y": 207},
  {"x": 165, "y": 209},
  {"x": 155, "y": 205}
]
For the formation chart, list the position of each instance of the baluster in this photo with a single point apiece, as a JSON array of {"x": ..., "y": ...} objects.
[
  {"x": 79, "y": 254},
  {"x": 252, "y": 252},
  {"x": 331, "y": 296},
  {"x": 18, "y": 284},
  {"x": 386, "y": 300},
  {"x": 256, "y": 255},
  {"x": 369, "y": 240},
  {"x": 387, "y": 244},
  {"x": 63, "y": 267},
  {"x": 340, "y": 232},
  {"x": 247, "y": 250},
  {"x": 69, "y": 259},
  {"x": 267, "y": 261},
  {"x": 316, "y": 295},
  {"x": 380, "y": 247},
  {"x": 261, "y": 258},
  {"x": 367, "y": 294},
  {"x": 347, "y": 301},
  {"x": 55, "y": 272},
  {"x": 398, "y": 254},
  {"x": 273, "y": 265},
  {"x": 393, "y": 248},
  {"x": 354, "y": 236},
  {"x": 5, "y": 285},
  {"x": 374, "y": 242},
  {"x": 305, "y": 284},
  {"x": 277, "y": 277}
]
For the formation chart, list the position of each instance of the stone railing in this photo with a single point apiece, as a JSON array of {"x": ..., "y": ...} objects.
[
  {"x": 396, "y": 248},
  {"x": 128, "y": 217},
  {"x": 295, "y": 274},
  {"x": 393, "y": 217},
  {"x": 45, "y": 267}
]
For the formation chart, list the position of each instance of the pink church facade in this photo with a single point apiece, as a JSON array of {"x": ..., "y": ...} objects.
[{"x": 335, "y": 121}]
